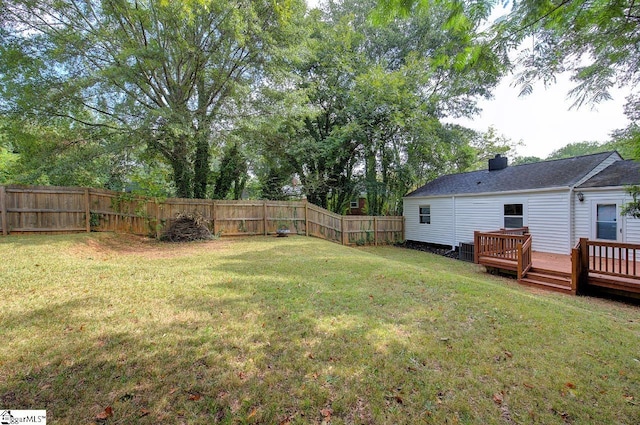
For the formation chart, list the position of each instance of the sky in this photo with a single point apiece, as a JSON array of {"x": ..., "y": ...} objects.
[{"x": 543, "y": 120}]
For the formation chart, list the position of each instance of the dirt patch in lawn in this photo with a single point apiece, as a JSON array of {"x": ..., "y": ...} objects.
[{"x": 107, "y": 245}]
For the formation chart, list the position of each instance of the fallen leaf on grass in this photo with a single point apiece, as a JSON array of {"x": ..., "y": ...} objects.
[
  {"x": 570, "y": 385},
  {"x": 252, "y": 413},
  {"x": 106, "y": 414},
  {"x": 326, "y": 413},
  {"x": 498, "y": 398},
  {"x": 144, "y": 412},
  {"x": 508, "y": 354},
  {"x": 194, "y": 397},
  {"x": 528, "y": 385},
  {"x": 172, "y": 390}
]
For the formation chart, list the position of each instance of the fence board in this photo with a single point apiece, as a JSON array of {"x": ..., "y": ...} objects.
[{"x": 69, "y": 209}]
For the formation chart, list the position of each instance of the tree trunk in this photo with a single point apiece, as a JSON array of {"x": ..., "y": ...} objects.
[
  {"x": 181, "y": 169},
  {"x": 201, "y": 168}
]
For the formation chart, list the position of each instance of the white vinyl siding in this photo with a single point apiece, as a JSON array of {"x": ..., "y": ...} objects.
[
  {"x": 477, "y": 213},
  {"x": 545, "y": 213},
  {"x": 439, "y": 231},
  {"x": 549, "y": 222}
]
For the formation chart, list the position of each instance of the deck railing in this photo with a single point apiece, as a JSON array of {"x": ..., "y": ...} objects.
[
  {"x": 501, "y": 243},
  {"x": 602, "y": 264},
  {"x": 594, "y": 264},
  {"x": 613, "y": 259}
]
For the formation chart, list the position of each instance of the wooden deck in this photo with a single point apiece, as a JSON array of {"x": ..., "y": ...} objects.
[
  {"x": 548, "y": 261},
  {"x": 592, "y": 267}
]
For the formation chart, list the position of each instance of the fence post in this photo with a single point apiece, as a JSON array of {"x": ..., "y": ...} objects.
[
  {"x": 344, "y": 234},
  {"x": 476, "y": 247},
  {"x": 264, "y": 213},
  {"x": 375, "y": 231},
  {"x": 3, "y": 210},
  {"x": 87, "y": 210},
  {"x": 213, "y": 218},
  {"x": 156, "y": 221},
  {"x": 306, "y": 217}
]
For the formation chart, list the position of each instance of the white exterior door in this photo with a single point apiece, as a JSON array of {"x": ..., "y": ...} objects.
[{"x": 607, "y": 223}]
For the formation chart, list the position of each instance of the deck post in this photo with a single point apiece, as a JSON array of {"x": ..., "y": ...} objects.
[
  {"x": 519, "y": 252},
  {"x": 583, "y": 275},
  {"x": 576, "y": 269}
]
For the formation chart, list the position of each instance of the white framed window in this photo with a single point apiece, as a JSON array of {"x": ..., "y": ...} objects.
[
  {"x": 354, "y": 204},
  {"x": 513, "y": 216},
  {"x": 425, "y": 214}
]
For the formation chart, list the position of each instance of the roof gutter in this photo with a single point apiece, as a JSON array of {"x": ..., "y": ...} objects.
[{"x": 508, "y": 192}]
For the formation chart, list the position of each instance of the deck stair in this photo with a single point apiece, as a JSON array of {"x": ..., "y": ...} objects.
[{"x": 553, "y": 280}]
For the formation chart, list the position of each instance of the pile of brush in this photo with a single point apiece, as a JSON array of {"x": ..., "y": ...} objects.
[{"x": 187, "y": 227}]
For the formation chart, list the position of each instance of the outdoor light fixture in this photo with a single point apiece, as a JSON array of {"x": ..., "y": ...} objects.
[{"x": 580, "y": 196}]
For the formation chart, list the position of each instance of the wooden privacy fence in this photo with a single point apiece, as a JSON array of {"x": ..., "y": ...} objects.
[{"x": 72, "y": 209}]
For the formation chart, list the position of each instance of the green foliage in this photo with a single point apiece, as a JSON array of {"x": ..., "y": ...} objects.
[
  {"x": 7, "y": 161},
  {"x": 577, "y": 149},
  {"x": 520, "y": 160},
  {"x": 595, "y": 41},
  {"x": 168, "y": 75},
  {"x": 586, "y": 148},
  {"x": 373, "y": 98},
  {"x": 231, "y": 178},
  {"x": 488, "y": 144},
  {"x": 632, "y": 209}
]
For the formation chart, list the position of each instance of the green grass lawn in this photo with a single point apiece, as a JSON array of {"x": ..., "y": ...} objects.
[{"x": 299, "y": 330}]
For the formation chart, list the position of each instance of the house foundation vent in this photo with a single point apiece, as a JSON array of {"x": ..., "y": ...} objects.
[{"x": 465, "y": 251}]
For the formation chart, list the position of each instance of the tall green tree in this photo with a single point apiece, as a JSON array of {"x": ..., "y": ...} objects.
[
  {"x": 371, "y": 93},
  {"x": 159, "y": 73}
]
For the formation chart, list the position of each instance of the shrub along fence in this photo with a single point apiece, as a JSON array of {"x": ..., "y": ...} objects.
[{"x": 52, "y": 209}]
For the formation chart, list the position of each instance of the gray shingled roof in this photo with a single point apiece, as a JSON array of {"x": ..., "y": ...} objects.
[
  {"x": 546, "y": 174},
  {"x": 620, "y": 173}
]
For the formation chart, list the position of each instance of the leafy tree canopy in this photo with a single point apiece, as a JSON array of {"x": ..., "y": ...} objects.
[{"x": 163, "y": 75}]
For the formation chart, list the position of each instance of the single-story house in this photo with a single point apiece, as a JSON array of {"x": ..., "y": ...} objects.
[{"x": 560, "y": 201}]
